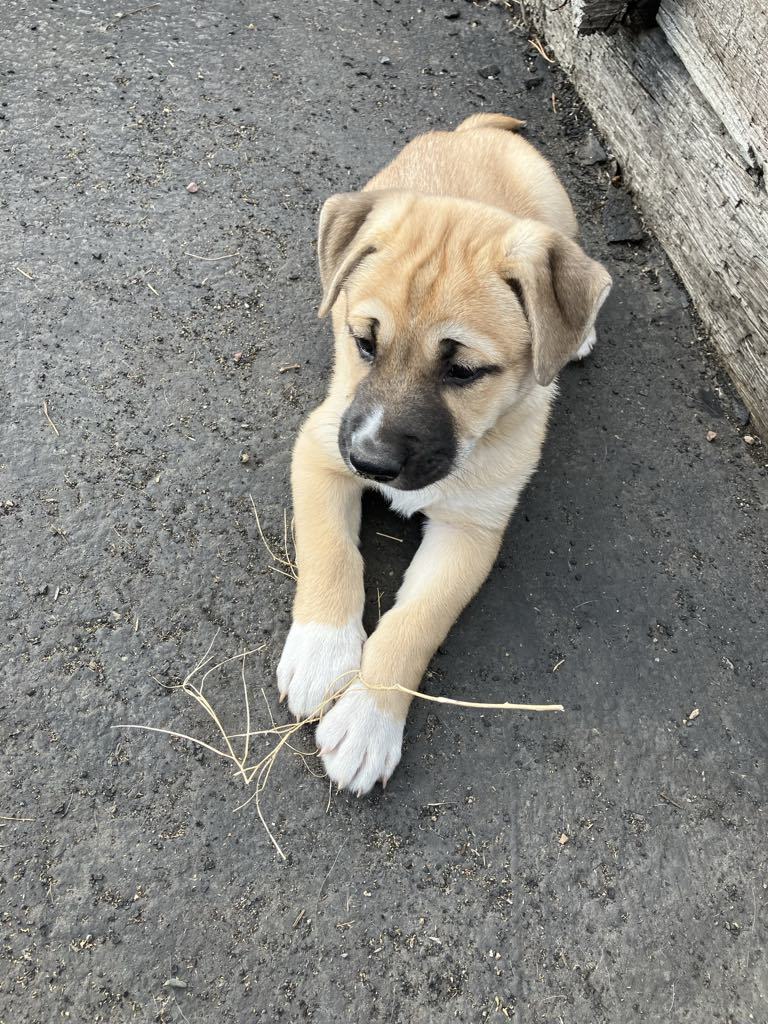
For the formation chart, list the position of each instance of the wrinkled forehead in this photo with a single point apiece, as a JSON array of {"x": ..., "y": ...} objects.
[{"x": 441, "y": 285}]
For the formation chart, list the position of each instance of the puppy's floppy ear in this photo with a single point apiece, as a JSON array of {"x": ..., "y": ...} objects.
[
  {"x": 561, "y": 290},
  {"x": 342, "y": 242}
]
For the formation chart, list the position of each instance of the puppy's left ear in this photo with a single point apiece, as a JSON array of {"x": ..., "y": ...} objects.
[
  {"x": 560, "y": 289},
  {"x": 342, "y": 241}
]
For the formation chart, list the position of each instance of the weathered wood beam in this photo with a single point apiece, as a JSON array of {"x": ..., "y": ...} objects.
[
  {"x": 598, "y": 15},
  {"x": 590, "y": 16},
  {"x": 723, "y": 48},
  {"x": 697, "y": 190}
]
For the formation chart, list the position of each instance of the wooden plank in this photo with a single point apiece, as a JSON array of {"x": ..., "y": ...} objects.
[
  {"x": 591, "y": 16},
  {"x": 598, "y": 15},
  {"x": 723, "y": 48},
  {"x": 690, "y": 179}
]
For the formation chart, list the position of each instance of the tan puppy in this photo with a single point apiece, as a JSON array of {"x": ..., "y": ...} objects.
[{"x": 457, "y": 295}]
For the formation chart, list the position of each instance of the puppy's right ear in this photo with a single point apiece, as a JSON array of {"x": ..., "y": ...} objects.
[
  {"x": 343, "y": 243},
  {"x": 560, "y": 290}
]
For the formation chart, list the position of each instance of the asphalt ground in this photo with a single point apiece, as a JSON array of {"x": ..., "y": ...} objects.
[{"x": 604, "y": 865}]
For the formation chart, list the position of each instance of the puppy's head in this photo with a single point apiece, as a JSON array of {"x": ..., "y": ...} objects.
[{"x": 446, "y": 312}]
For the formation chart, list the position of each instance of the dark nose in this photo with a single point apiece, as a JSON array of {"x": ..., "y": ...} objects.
[{"x": 382, "y": 466}]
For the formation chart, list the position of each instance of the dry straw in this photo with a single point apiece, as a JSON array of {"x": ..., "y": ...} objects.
[{"x": 237, "y": 747}]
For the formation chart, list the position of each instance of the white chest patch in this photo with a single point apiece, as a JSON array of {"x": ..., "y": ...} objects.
[{"x": 407, "y": 503}]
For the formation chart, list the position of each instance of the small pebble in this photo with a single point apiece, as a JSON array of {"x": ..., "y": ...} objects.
[
  {"x": 694, "y": 715},
  {"x": 193, "y": 187},
  {"x": 711, "y": 435},
  {"x": 620, "y": 220},
  {"x": 741, "y": 412},
  {"x": 237, "y": 356},
  {"x": 749, "y": 439},
  {"x": 591, "y": 152},
  {"x": 245, "y": 457},
  {"x": 563, "y": 839},
  {"x": 490, "y": 71}
]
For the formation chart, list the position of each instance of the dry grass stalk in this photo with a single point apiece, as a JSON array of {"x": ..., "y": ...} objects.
[
  {"x": 212, "y": 259},
  {"x": 537, "y": 45},
  {"x": 285, "y": 559},
  {"x": 53, "y": 425},
  {"x": 438, "y": 699},
  {"x": 257, "y": 773}
]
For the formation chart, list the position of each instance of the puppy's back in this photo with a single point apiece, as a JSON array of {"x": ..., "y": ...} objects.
[{"x": 483, "y": 160}]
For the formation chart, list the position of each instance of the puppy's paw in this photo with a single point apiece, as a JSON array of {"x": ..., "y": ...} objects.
[
  {"x": 317, "y": 661},
  {"x": 360, "y": 741},
  {"x": 587, "y": 345}
]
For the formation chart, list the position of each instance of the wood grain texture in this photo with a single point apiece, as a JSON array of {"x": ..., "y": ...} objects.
[
  {"x": 723, "y": 48},
  {"x": 598, "y": 15},
  {"x": 692, "y": 181}
]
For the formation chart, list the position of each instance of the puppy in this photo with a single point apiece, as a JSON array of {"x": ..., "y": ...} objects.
[{"x": 457, "y": 294}]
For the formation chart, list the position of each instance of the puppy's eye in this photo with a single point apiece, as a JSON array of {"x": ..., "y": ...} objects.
[
  {"x": 458, "y": 374},
  {"x": 366, "y": 347}
]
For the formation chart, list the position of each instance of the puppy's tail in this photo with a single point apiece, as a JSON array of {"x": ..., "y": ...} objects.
[{"x": 507, "y": 124}]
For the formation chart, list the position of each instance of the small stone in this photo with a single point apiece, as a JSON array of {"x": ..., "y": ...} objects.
[
  {"x": 711, "y": 435},
  {"x": 174, "y": 983},
  {"x": 564, "y": 839},
  {"x": 193, "y": 187},
  {"x": 452, "y": 15},
  {"x": 694, "y": 715},
  {"x": 741, "y": 412},
  {"x": 749, "y": 439},
  {"x": 384, "y": 60},
  {"x": 591, "y": 152},
  {"x": 620, "y": 220},
  {"x": 245, "y": 458},
  {"x": 489, "y": 71},
  {"x": 237, "y": 356}
]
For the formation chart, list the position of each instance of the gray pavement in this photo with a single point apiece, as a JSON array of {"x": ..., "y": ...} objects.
[{"x": 605, "y": 865}]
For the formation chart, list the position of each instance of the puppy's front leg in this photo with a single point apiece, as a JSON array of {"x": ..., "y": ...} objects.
[
  {"x": 361, "y": 736},
  {"x": 325, "y": 641}
]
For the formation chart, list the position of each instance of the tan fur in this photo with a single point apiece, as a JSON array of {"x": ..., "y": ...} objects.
[{"x": 427, "y": 250}]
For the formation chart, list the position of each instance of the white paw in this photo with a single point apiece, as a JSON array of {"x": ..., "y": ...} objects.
[
  {"x": 317, "y": 661},
  {"x": 587, "y": 345},
  {"x": 360, "y": 742}
]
